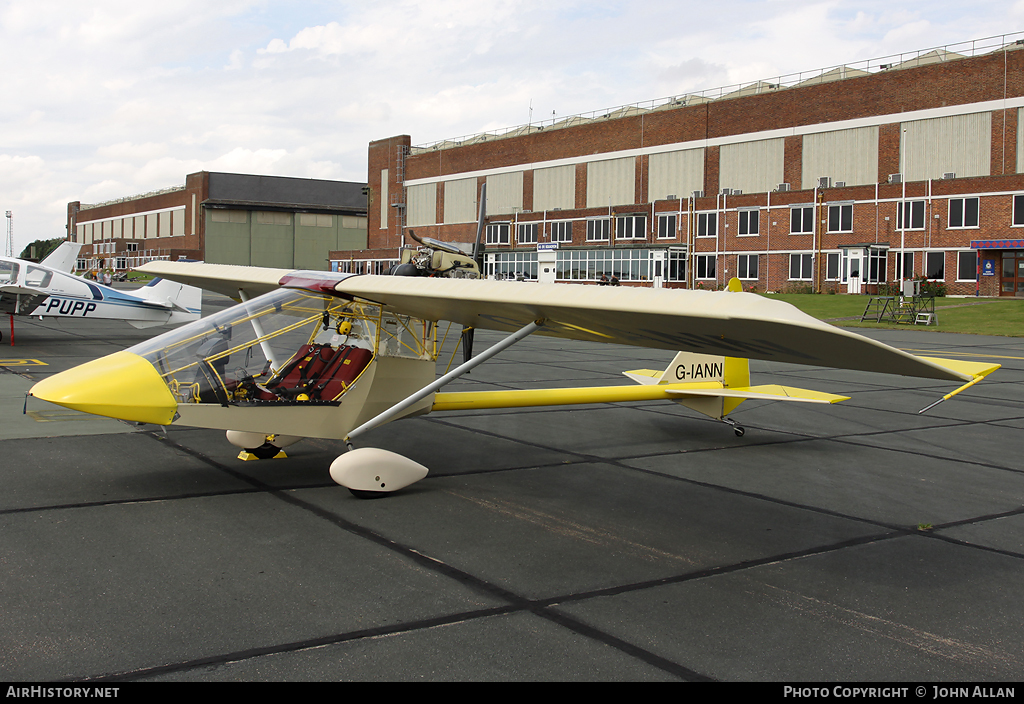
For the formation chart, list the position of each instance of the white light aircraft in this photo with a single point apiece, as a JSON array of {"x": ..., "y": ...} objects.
[
  {"x": 325, "y": 355},
  {"x": 49, "y": 289}
]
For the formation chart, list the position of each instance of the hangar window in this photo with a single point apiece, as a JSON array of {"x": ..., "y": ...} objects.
[
  {"x": 666, "y": 227},
  {"x": 514, "y": 266},
  {"x": 840, "y": 217},
  {"x": 527, "y": 234},
  {"x": 800, "y": 267},
  {"x": 832, "y": 263},
  {"x": 707, "y": 224},
  {"x": 967, "y": 265},
  {"x": 907, "y": 261},
  {"x": 592, "y": 264},
  {"x": 801, "y": 220},
  {"x": 316, "y": 220},
  {"x": 597, "y": 230},
  {"x": 631, "y": 227},
  {"x": 914, "y": 217},
  {"x": 561, "y": 231},
  {"x": 877, "y": 260},
  {"x": 675, "y": 265},
  {"x": 748, "y": 224},
  {"x": 497, "y": 233},
  {"x": 746, "y": 266},
  {"x": 705, "y": 266},
  {"x": 963, "y": 212},
  {"x": 269, "y": 217},
  {"x": 1018, "y": 211}
]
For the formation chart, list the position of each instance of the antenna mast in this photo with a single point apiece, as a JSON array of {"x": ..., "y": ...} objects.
[{"x": 9, "y": 250}]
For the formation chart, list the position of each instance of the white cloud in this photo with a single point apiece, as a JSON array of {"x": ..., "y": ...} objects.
[{"x": 113, "y": 98}]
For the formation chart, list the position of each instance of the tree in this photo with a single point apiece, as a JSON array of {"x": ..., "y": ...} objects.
[{"x": 38, "y": 250}]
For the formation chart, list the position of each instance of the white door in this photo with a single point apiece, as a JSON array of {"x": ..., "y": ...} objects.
[
  {"x": 658, "y": 261},
  {"x": 853, "y": 272},
  {"x": 547, "y": 261}
]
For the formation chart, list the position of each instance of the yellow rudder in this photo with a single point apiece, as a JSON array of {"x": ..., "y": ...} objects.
[{"x": 737, "y": 375}]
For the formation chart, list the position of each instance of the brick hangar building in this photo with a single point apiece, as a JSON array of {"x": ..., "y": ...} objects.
[
  {"x": 839, "y": 180},
  {"x": 223, "y": 218}
]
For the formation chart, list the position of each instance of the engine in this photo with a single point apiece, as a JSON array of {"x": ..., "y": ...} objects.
[{"x": 436, "y": 258}]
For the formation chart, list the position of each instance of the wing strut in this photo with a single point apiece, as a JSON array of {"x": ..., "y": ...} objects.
[
  {"x": 453, "y": 374},
  {"x": 951, "y": 394},
  {"x": 257, "y": 327}
]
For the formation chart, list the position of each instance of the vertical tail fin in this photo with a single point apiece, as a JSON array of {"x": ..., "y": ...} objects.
[
  {"x": 185, "y": 302},
  {"x": 729, "y": 372},
  {"x": 64, "y": 257},
  {"x": 737, "y": 374}
]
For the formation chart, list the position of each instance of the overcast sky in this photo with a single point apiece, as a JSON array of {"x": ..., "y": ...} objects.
[{"x": 106, "y": 99}]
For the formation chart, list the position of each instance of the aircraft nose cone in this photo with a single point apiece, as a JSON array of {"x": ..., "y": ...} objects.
[{"x": 121, "y": 385}]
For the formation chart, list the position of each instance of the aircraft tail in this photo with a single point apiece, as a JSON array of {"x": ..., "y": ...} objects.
[
  {"x": 184, "y": 303},
  {"x": 715, "y": 385},
  {"x": 64, "y": 257}
]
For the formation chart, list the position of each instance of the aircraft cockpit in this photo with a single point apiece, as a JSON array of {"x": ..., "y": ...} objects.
[
  {"x": 286, "y": 347},
  {"x": 8, "y": 272}
]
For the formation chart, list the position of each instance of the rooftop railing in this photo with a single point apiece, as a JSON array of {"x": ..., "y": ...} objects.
[{"x": 893, "y": 62}]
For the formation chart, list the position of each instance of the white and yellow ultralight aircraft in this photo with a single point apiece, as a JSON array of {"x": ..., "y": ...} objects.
[{"x": 325, "y": 355}]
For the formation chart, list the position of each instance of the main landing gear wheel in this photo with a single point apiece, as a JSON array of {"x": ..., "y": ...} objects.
[
  {"x": 259, "y": 446},
  {"x": 266, "y": 451},
  {"x": 363, "y": 494}
]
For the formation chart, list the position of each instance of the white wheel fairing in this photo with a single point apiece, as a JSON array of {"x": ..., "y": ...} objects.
[{"x": 375, "y": 470}]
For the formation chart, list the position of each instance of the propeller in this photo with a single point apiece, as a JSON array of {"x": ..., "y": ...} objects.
[{"x": 478, "y": 257}]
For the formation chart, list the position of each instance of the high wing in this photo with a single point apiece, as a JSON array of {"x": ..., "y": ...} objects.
[
  {"x": 728, "y": 323},
  {"x": 708, "y": 322},
  {"x": 225, "y": 279},
  {"x": 333, "y": 355}
]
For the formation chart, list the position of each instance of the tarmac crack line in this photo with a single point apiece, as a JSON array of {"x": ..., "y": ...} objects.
[
  {"x": 514, "y": 601},
  {"x": 545, "y": 608},
  {"x": 621, "y": 463}
]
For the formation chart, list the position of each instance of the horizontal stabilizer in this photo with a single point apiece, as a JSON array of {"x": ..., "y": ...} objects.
[
  {"x": 644, "y": 376},
  {"x": 767, "y": 392},
  {"x": 21, "y": 291},
  {"x": 172, "y": 296}
]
